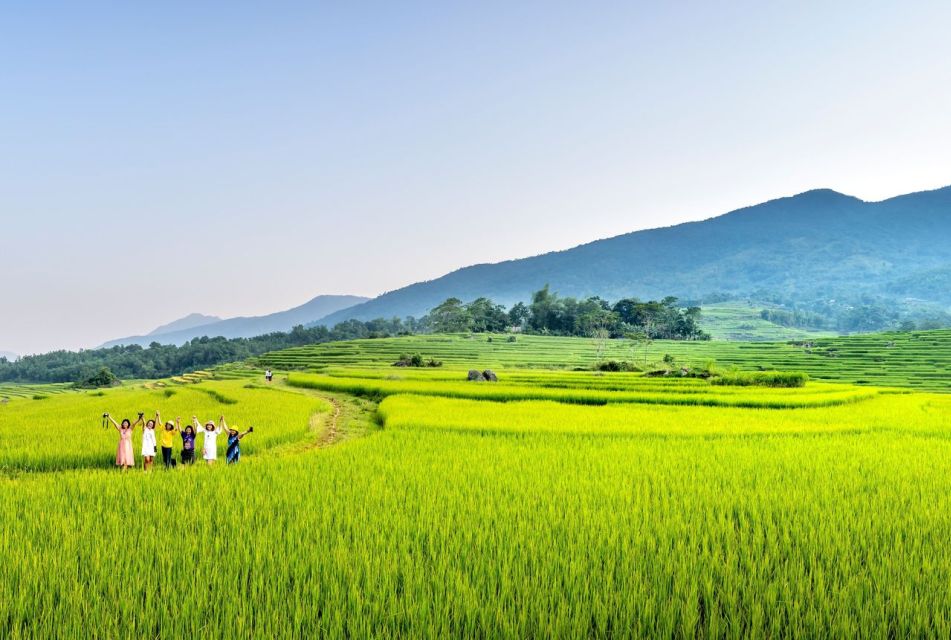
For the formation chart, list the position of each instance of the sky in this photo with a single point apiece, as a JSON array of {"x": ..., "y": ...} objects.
[{"x": 159, "y": 159}]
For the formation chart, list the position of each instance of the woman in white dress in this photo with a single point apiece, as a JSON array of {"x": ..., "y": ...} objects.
[
  {"x": 209, "y": 450},
  {"x": 148, "y": 445}
]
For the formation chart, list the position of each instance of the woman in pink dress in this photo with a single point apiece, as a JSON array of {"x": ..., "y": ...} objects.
[{"x": 124, "y": 456}]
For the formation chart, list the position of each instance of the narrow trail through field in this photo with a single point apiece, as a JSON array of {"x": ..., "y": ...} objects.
[
  {"x": 350, "y": 417},
  {"x": 331, "y": 433}
]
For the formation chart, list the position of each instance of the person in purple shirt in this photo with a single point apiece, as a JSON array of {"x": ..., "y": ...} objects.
[{"x": 188, "y": 444}]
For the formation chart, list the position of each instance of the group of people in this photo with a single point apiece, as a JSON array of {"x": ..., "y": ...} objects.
[{"x": 125, "y": 459}]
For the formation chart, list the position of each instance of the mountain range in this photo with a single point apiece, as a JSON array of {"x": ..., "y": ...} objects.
[
  {"x": 818, "y": 244},
  {"x": 189, "y": 327},
  {"x": 183, "y": 324}
]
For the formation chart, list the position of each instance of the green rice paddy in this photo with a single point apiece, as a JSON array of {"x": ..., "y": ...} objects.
[
  {"x": 918, "y": 360},
  {"x": 386, "y": 502}
]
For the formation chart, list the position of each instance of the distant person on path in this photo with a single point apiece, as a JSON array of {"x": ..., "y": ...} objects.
[
  {"x": 148, "y": 445},
  {"x": 188, "y": 443},
  {"x": 209, "y": 450},
  {"x": 234, "y": 443},
  {"x": 168, "y": 439},
  {"x": 268, "y": 376},
  {"x": 124, "y": 456}
]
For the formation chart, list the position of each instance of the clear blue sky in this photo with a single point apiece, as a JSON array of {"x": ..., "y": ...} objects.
[{"x": 239, "y": 158}]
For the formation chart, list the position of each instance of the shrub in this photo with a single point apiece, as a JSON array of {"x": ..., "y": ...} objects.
[
  {"x": 406, "y": 360},
  {"x": 102, "y": 378},
  {"x": 614, "y": 365},
  {"x": 416, "y": 360},
  {"x": 788, "y": 379}
]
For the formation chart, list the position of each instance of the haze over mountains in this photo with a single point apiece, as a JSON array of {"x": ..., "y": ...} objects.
[
  {"x": 819, "y": 243},
  {"x": 185, "y": 329}
]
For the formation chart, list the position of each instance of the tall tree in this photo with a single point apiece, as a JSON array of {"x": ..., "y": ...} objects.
[{"x": 450, "y": 317}]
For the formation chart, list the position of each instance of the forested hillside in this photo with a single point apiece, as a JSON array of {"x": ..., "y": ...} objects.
[{"x": 815, "y": 250}]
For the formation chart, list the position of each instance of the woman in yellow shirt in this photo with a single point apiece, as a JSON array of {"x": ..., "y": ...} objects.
[{"x": 167, "y": 439}]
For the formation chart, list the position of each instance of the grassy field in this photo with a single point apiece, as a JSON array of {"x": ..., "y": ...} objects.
[
  {"x": 741, "y": 321},
  {"x": 919, "y": 360},
  {"x": 553, "y": 503}
]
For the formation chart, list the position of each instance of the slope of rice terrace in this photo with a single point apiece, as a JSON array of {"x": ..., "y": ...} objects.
[
  {"x": 918, "y": 360},
  {"x": 739, "y": 321},
  {"x": 552, "y": 503}
]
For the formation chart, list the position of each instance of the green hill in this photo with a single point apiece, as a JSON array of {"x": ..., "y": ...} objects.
[{"x": 818, "y": 245}]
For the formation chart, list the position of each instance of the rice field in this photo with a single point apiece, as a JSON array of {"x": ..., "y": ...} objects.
[
  {"x": 740, "y": 321},
  {"x": 919, "y": 360},
  {"x": 665, "y": 393},
  {"x": 10, "y": 391},
  {"x": 375, "y": 501},
  {"x": 73, "y": 435}
]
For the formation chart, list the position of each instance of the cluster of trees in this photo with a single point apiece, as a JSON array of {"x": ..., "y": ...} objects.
[
  {"x": 550, "y": 314},
  {"x": 794, "y": 318},
  {"x": 851, "y": 314}
]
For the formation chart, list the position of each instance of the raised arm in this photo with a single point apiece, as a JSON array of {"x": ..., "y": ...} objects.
[
  {"x": 249, "y": 430},
  {"x": 222, "y": 425},
  {"x": 197, "y": 424},
  {"x": 139, "y": 421},
  {"x": 114, "y": 423},
  {"x": 178, "y": 423}
]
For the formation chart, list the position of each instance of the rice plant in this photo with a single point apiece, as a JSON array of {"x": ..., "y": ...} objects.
[{"x": 555, "y": 504}]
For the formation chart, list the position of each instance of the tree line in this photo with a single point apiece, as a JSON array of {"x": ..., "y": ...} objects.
[
  {"x": 546, "y": 314},
  {"x": 164, "y": 360},
  {"x": 550, "y": 314}
]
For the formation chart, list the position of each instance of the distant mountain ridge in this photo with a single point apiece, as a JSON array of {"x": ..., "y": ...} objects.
[
  {"x": 247, "y": 327},
  {"x": 188, "y": 322},
  {"x": 817, "y": 243}
]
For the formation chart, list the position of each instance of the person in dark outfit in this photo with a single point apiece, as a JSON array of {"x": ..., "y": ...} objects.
[{"x": 234, "y": 443}]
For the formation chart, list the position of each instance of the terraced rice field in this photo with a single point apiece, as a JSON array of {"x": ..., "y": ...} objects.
[
  {"x": 552, "y": 504},
  {"x": 10, "y": 391},
  {"x": 588, "y": 389},
  {"x": 739, "y": 321},
  {"x": 918, "y": 360}
]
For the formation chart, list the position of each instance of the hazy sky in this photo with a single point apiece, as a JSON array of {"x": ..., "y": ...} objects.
[{"x": 240, "y": 158}]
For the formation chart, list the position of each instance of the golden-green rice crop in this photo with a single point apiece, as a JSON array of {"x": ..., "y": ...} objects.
[
  {"x": 65, "y": 431},
  {"x": 912, "y": 413},
  {"x": 549, "y": 505},
  {"x": 502, "y": 392}
]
